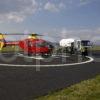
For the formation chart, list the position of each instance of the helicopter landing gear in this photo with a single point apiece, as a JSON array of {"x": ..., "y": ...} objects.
[
  {"x": 46, "y": 55},
  {"x": 27, "y": 54}
]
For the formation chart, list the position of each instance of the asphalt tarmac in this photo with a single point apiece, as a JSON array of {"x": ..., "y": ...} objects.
[
  {"x": 20, "y": 59},
  {"x": 27, "y": 83}
]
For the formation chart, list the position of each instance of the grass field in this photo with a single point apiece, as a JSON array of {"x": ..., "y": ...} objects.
[
  {"x": 94, "y": 48},
  {"x": 86, "y": 90}
]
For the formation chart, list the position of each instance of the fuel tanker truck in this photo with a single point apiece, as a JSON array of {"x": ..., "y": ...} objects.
[{"x": 70, "y": 45}]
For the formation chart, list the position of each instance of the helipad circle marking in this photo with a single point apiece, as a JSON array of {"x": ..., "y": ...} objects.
[
  {"x": 57, "y": 65},
  {"x": 39, "y": 57}
]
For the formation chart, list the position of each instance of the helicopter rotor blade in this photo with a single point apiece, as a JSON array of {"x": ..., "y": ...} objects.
[{"x": 35, "y": 34}]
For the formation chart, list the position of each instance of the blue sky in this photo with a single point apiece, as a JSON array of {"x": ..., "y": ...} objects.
[{"x": 54, "y": 18}]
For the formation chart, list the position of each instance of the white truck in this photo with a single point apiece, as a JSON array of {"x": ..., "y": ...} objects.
[{"x": 71, "y": 44}]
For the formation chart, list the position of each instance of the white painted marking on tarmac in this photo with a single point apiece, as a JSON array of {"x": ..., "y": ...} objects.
[
  {"x": 57, "y": 65},
  {"x": 39, "y": 57},
  {"x": 32, "y": 57}
]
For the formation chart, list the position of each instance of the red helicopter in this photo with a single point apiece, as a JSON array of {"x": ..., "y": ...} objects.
[{"x": 30, "y": 46}]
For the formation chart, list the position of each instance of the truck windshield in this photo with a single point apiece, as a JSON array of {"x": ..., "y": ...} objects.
[{"x": 85, "y": 43}]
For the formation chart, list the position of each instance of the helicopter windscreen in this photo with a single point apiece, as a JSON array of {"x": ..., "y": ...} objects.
[
  {"x": 37, "y": 44},
  {"x": 43, "y": 44}
]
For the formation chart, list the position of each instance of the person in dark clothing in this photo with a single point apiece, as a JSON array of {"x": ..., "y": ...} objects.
[
  {"x": 72, "y": 48},
  {"x": 84, "y": 51}
]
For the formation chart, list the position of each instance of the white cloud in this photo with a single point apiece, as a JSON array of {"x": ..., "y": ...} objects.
[
  {"x": 61, "y": 5},
  {"x": 78, "y": 33},
  {"x": 50, "y": 7},
  {"x": 54, "y": 7},
  {"x": 17, "y": 10}
]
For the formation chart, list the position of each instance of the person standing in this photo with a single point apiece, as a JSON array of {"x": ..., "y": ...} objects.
[
  {"x": 72, "y": 48},
  {"x": 2, "y": 41}
]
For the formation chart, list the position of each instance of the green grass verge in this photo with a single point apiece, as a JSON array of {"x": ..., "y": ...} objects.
[
  {"x": 86, "y": 90},
  {"x": 95, "y": 48}
]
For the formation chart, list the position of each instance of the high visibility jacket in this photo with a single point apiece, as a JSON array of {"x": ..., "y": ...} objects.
[
  {"x": 2, "y": 41},
  {"x": 82, "y": 49},
  {"x": 2, "y": 36}
]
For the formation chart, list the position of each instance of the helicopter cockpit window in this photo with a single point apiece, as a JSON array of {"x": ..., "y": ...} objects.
[{"x": 43, "y": 44}]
